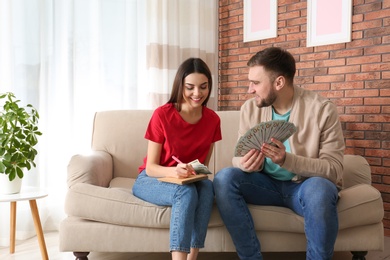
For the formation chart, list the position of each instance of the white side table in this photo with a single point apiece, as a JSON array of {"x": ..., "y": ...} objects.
[{"x": 31, "y": 194}]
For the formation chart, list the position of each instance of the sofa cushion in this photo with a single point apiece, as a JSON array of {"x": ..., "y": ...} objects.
[
  {"x": 121, "y": 134},
  {"x": 357, "y": 206},
  {"x": 356, "y": 170},
  {"x": 117, "y": 205}
]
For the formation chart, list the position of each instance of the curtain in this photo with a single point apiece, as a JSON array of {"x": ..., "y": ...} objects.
[
  {"x": 191, "y": 27},
  {"x": 72, "y": 58}
]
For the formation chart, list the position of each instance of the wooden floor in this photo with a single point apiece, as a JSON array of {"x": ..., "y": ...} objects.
[{"x": 29, "y": 250}]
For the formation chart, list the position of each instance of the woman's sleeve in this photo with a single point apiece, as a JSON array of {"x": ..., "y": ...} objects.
[
  {"x": 217, "y": 132},
  {"x": 154, "y": 131}
]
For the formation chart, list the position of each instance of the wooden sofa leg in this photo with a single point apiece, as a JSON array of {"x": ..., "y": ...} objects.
[
  {"x": 359, "y": 255},
  {"x": 81, "y": 255}
]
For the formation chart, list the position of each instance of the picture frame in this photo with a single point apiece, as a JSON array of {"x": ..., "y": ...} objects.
[
  {"x": 260, "y": 19},
  {"x": 323, "y": 31}
]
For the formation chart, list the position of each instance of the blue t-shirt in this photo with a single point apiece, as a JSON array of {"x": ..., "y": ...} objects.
[{"x": 273, "y": 169}]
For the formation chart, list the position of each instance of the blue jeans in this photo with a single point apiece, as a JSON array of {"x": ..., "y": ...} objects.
[
  {"x": 315, "y": 199},
  {"x": 191, "y": 208}
]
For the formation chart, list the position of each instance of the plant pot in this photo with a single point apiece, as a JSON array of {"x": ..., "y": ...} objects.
[{"x": 9, "y": 187}]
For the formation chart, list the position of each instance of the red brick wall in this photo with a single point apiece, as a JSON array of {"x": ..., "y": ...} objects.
[{"x": 354, "y": 75}]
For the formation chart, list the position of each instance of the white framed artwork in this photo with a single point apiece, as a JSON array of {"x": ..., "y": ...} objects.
[
  {"x": 328, "y": 22},
  {"x": 260, "y": 19}
]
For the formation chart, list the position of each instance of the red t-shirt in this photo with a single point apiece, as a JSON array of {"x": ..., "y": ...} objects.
[{"x": 186, "y": 141}]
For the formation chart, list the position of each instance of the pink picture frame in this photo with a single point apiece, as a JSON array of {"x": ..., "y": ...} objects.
[
  {"x": 260, "y": 19},
  {"x": 328, "y": 22}
]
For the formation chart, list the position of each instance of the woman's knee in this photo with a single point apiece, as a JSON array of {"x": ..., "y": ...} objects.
[
  {"x": 186, "y": 193},
  {"x": 205, "y": 189},
  {"x": 206, "y": 185}
]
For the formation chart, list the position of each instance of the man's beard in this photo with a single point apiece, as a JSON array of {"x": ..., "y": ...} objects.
[{"x": 268, "y": 101}]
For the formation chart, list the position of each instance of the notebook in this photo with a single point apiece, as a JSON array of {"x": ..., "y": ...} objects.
[{"x": 192, "y": 178}]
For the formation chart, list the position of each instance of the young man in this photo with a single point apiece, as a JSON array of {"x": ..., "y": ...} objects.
[{"x": 301, "y": 174}]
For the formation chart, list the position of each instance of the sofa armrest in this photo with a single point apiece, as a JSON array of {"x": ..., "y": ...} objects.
[
  {"x": 95, "y": 168},
  {"x": 356, "y": 171}
]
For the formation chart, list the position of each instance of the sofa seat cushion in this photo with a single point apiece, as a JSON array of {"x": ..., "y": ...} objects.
[
  {"x": 114, "y": 206},
  {"x": 117, "y": 205},
  {"x": 274, "y": 218},
  {"x": 358, "y": 205}
]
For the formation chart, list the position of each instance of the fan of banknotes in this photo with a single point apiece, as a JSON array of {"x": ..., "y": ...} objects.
[
  {"x": 262, "y": 133},
  {"x": 199, "y": 167}
]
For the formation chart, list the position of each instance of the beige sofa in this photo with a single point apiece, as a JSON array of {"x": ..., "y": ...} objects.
[{"x": 104, "y": 216}]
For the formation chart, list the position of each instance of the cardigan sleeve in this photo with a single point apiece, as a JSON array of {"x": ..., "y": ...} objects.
[{"x": 331, "y": 147}]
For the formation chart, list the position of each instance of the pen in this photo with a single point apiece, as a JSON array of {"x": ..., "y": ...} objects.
[{"x": 178, "y": 161}]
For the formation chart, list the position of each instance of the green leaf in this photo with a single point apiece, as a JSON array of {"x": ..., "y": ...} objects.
[
  {"x": 12, "y": 175},
  {"x": 2, "y": 167},
  {"x": 28, "y": 166},
  {"x": 19, "y": 172}
]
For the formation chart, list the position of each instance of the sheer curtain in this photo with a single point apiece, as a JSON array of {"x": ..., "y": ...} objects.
[{"x": 72, "y": 58}]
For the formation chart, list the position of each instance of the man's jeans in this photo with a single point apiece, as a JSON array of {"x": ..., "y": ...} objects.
[
  {"x": 191, "y": 208},
  {"x": 315, "y": 199}
]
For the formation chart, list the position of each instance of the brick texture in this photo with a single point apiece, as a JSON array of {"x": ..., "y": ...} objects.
[{"x": 354, "y": 75}]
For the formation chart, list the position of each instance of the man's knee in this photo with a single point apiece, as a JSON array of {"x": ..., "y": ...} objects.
[
  {"x": 226, "y": 174},
  {"x": 224, "y": 178},
  {"x": 319, "y": 190}
]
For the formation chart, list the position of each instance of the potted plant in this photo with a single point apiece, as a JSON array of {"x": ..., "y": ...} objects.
[{"x": 18, "y": 138}]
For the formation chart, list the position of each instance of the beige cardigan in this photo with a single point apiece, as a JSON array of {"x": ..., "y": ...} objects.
[{"x": 317, "y": 148}]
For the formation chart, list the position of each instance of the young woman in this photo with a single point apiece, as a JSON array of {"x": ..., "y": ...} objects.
[{"x": 184, "y": 128}]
